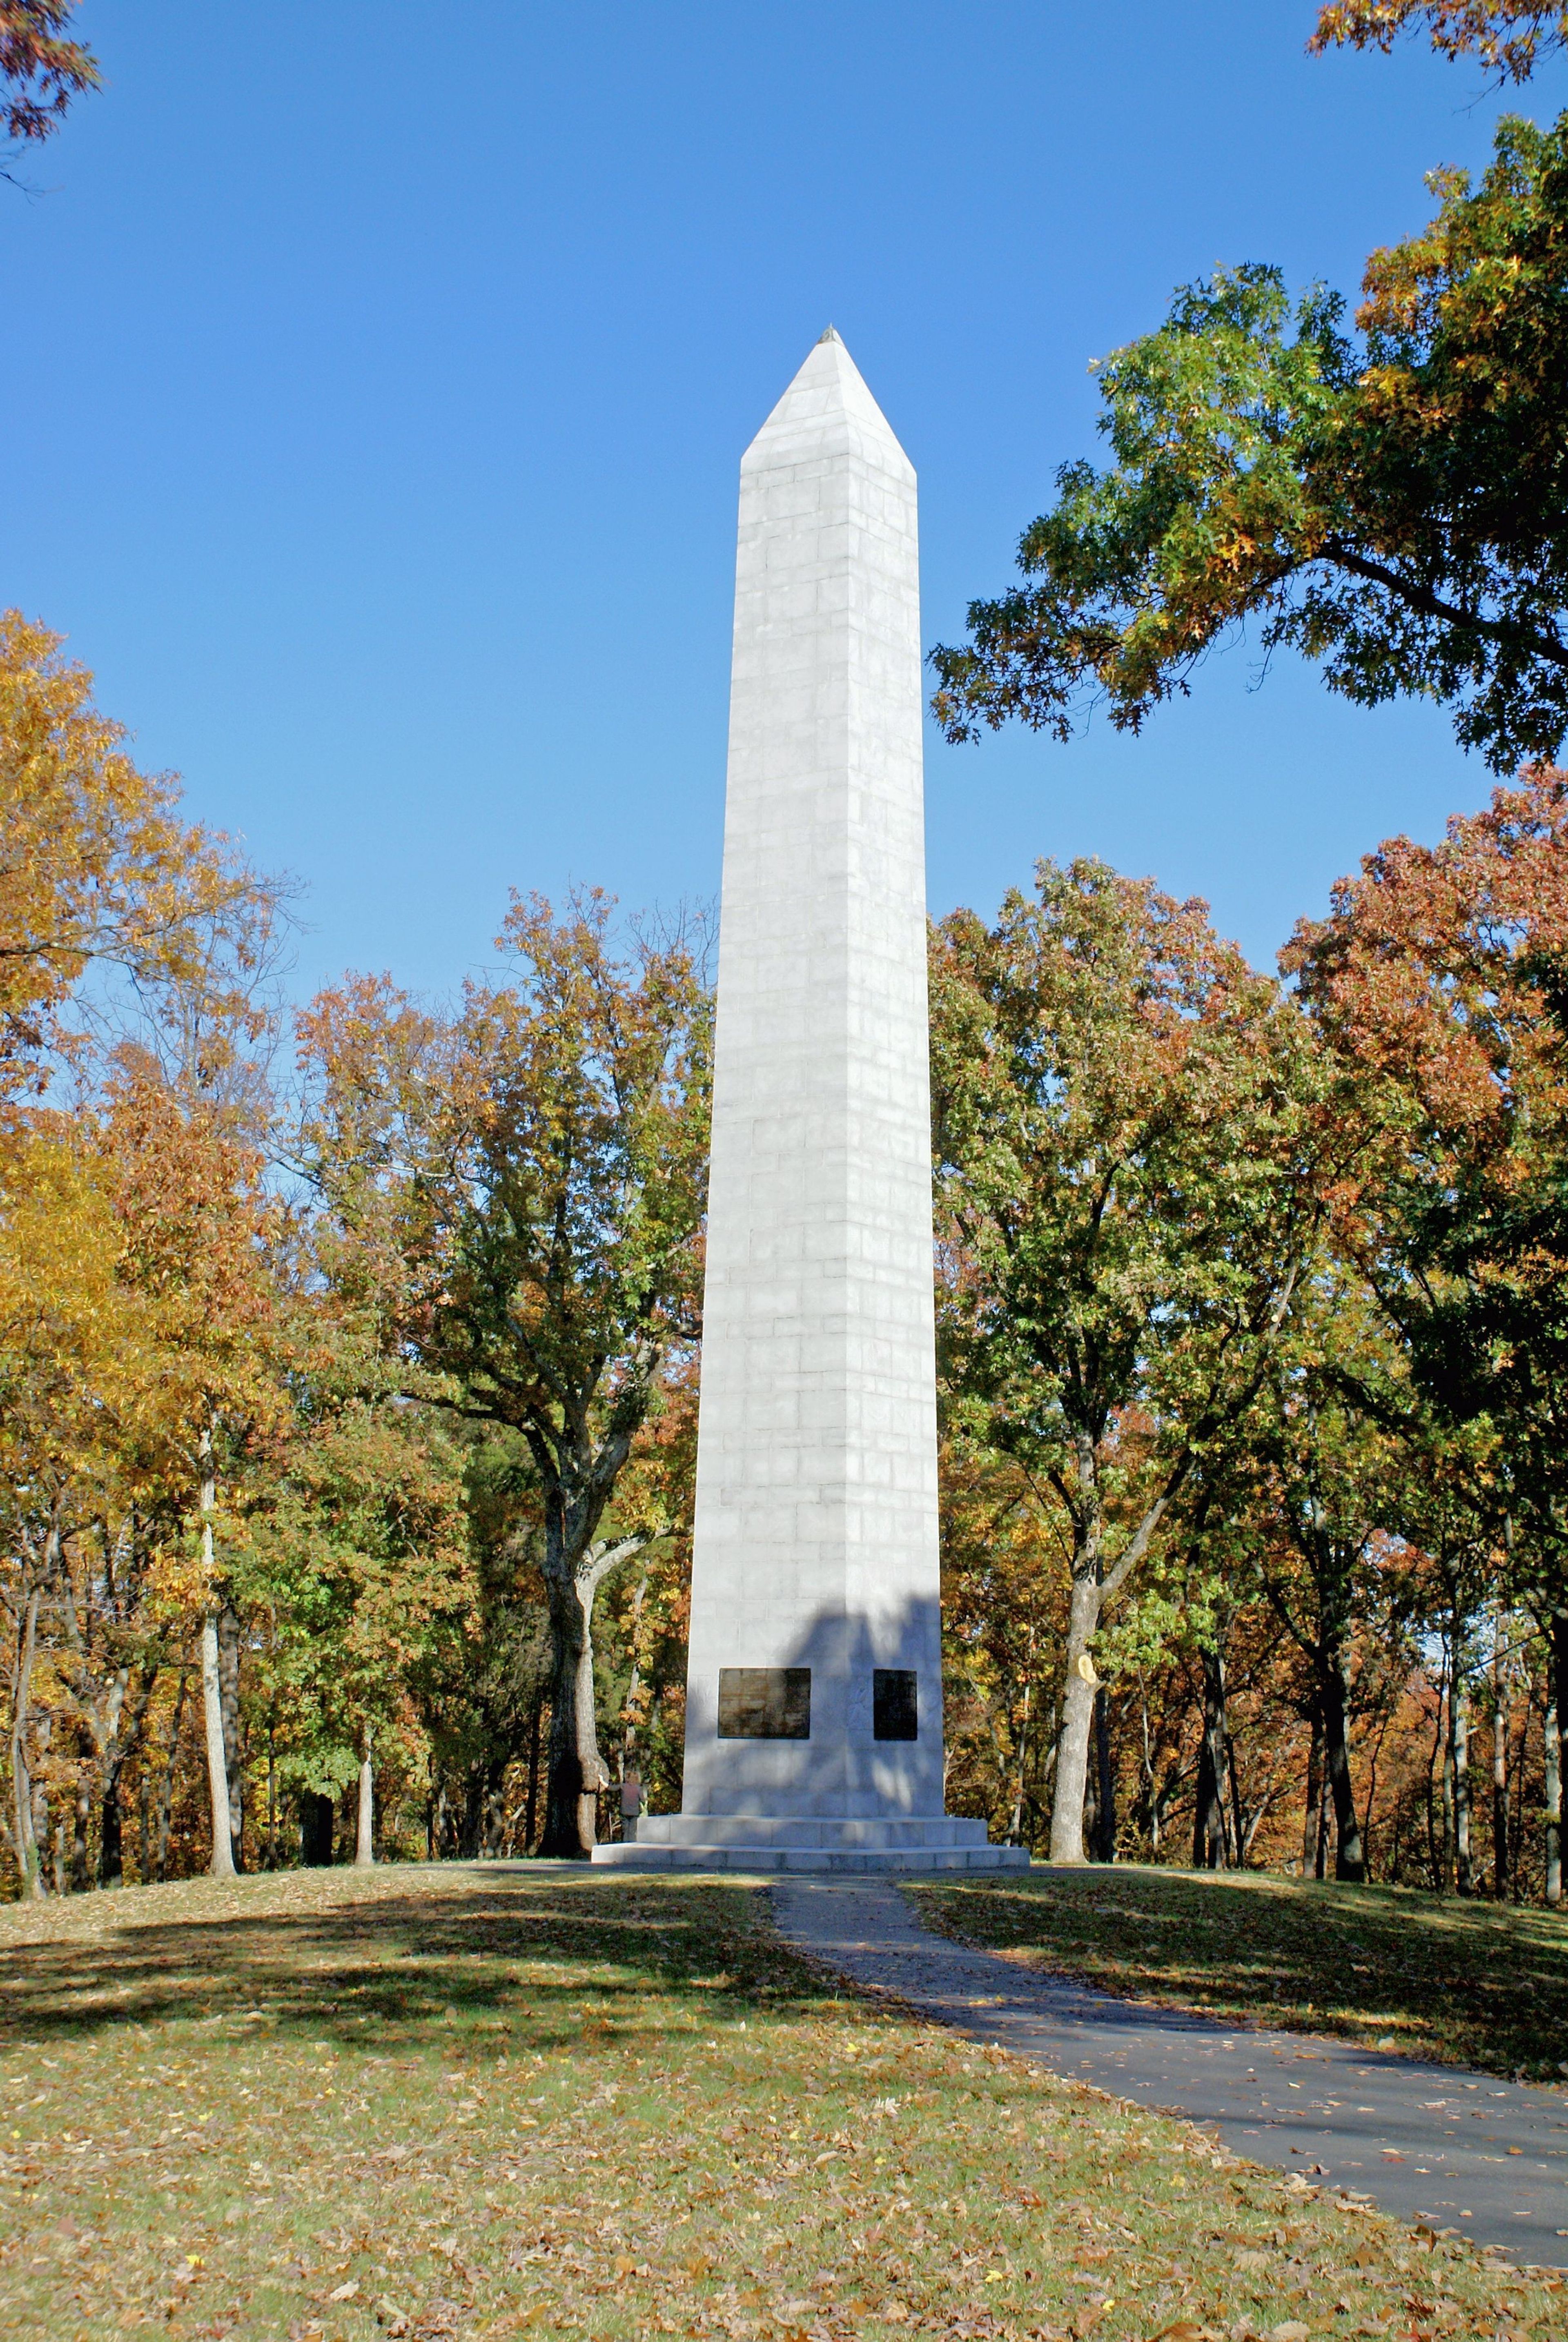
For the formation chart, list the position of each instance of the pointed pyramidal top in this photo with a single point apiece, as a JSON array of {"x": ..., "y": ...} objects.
[{"x": 827, "y": 410}]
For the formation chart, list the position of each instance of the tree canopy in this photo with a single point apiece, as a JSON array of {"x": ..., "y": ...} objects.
[
  {"x": 1510, "y": 37},
  {"x": 40, "y": 70},
  {"x": 1394, "y": 504}
]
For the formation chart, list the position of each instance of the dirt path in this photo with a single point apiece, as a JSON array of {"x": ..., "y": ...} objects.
[{"x": 1425, "y": 2142}]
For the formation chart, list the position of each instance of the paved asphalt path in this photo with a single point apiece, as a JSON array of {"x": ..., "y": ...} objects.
[{"x": 1434, "y": 2143}]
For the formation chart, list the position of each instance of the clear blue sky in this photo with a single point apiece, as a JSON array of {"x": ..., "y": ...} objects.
[{"x": 378, "y": 374}]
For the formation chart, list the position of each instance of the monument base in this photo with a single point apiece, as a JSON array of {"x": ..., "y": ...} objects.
[{"x": 808, "y": 1842}]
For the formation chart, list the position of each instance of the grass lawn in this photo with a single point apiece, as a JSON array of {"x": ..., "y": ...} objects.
[
  {"x": 1477, "y": 1984},
  {"x": 464, "y": 2101}
]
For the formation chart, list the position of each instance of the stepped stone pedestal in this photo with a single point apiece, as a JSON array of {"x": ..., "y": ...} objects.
[{"x": 813, "y": 1700}]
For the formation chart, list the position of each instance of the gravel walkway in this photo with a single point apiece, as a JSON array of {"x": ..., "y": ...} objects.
[{"x": 1435, "y": 2143}]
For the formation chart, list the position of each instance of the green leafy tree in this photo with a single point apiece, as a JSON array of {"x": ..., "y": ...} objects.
[
  {"x": 1326, "y": 1465},
  {"x": 1126, "y": 1198},
  {"x": 1394, "y": 507},
  {"x": 349, "y": 1557},
  {"x": 521, "y": 1191}
]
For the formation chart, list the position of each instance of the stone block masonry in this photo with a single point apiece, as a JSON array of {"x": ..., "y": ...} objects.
[{"x": 814, "y": 1703}]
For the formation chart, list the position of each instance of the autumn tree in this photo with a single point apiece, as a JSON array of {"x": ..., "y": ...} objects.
[
  {"x": 78, "y": 1408},
  {"x": 1392, "y": 506},
  {"x": 132, "y": 945},
  {"x": 1125, "y": 1201},
  {"x": 100, "y": 874},
  {"x": 1508, "y": 37},
  {"x": 40, "y": 70},
  {"x": 523, "y": 1186},
  {"x": 1438, "y": 980}
]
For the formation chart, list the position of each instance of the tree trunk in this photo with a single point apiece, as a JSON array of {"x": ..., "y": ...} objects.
[
  {"x": 1348, "y": 1863},
  {"x": 592, "y": 1773},
  {"x": 1556, "y": 1716},
  {"x": 1077, "y": 1716},
  {"x": 24, "y": 1839},
  {"x": 81, "y": 1825},
  {"x": 229, "y": 1692},
  {"x": 576, "y": 1770},
  {"x": 1500, "y": 1801},
  {"x": 630, "y": 1768},
  {"x": 1016, "y": 1824},
  {"x": 1436, "y": 1868},
  {"x": 1241, "y": 1837},
  {"x": 1208, "y": 1813},
  {"x": 111, "y": 1850},
  {"x": 1150, "y": 1800},
  {"x": 317, "y": 1819},
  {"x": 222, "y": 1864},
  {"x": 1312, "y": 1830},
  {"x": 128, "y": 1726},
  {"x": 563, "y": 1839},
  {"x": 1450, "y": 1808},
  {"x": 364, "y": 1835},
  {"x": 1551, "y": 1799},
  {"x": 1105, "y": 1780},
  {"x": 495, "y": 1808},
  {"x": 166, "y": 1786},
  {"x": 1460, "y": 1727},
  {"x": 531, "y": 1811}
]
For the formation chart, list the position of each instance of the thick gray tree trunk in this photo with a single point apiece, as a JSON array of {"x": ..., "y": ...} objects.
[
  {"x": 1092, "y": 1588},
  {"x": 222, "y": 1864},
  {"x": 577, "y": 1772},
  {"x": 1077, "y": 1719}
]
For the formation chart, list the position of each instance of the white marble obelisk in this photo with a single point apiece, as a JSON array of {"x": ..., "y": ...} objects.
[{"x": 814, "y": 1704}]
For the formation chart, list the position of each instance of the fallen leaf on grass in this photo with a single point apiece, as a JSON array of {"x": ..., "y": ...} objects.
[
  {"x": 344, "y": 2292},
  {"x": 1292, "y": 2330}
]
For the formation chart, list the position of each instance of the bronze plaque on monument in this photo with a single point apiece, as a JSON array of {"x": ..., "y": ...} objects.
[{"x": 764, "y": 1703}]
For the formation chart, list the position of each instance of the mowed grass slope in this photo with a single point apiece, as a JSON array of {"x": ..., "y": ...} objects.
[
  {"x": 1473, "y": 1982},
  {"x": 463, "y": 2102}
]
